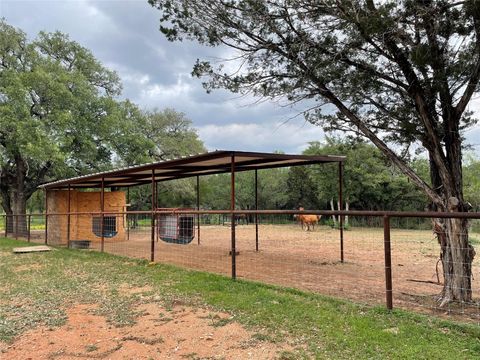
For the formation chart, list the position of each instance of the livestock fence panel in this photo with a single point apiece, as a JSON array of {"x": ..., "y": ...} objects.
[{"x": 375, "y": 258}]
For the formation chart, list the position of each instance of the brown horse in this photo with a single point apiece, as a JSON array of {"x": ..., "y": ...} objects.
[{"x": 307, "y": 220}]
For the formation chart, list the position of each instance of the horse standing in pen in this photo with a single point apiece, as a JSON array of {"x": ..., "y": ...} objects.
[{"x": 307, "y": 220}]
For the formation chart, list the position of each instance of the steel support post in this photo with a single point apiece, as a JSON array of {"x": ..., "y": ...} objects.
[
  {"x": 102, "y": 216},
  {"x": 68, "y": 215},
  {"x": 256, "y": 209},
  {"x": 232, "y": 219},
  {"x": 152, "y": 238},
  {"x": 340, "y": 206},
  {"x": 198, "y": 208},
  {"x": 388, "y": 262}
]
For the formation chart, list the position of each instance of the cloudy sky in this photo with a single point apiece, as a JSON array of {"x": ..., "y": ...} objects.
[{"x": 124, "y": 36}]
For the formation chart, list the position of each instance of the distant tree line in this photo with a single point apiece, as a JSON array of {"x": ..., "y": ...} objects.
[{"x": 370, "y": 183}]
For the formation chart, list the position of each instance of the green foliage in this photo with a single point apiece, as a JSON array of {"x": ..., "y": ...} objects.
[
  {"x": 471, "y": 185},
  {"x": 394, "y": 71},
  {"x": 272, "y": 190},
  {"x": 58, "y": 114},
  {"x": 329, "y": 222},
  {"x": 172, "y": 134},
  {"x": 370, "y": 181},
  {"x": 301, "y": 189},
  {"x": 60, "y": 117}
]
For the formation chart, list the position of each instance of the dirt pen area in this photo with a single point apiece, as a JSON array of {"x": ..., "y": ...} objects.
[
  {"x": 181, "y": 333},
  {"x": 310, "y": 261}
]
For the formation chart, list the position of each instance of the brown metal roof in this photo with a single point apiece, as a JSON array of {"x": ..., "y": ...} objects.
[{"x": 215, "y": 162}]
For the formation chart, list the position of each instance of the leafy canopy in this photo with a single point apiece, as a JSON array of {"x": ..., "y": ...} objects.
[
  {"x": 60, "y": 116},
  {"x": 400, "y": 73}
]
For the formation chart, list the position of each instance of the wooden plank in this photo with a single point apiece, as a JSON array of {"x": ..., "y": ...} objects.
[{"x": 29, "y": 249}]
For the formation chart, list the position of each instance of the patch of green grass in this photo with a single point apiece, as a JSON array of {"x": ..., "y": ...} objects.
[
  {"x": 473, "y": 240},
  {"x": 316, "y": 326},
  {"x": 91, "y": 348},
  {"x": 217, "y": 321}
]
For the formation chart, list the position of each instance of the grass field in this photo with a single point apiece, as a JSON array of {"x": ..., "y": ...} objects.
[{"x": 36, "y": 291}]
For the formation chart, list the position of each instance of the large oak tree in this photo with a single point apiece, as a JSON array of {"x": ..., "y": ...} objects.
[
  {"x": 400, "y": 73},
  {"x": 59, "y": 116}
]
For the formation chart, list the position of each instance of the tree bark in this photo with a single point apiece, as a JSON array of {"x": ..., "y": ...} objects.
[
  {"x": 347, "y": 207},
  {"x": 20, "y": 211},
  {"x": 334, "y": 218},
  {"x": 456, "y": 255},
  {"x": 14, "y": 194}
]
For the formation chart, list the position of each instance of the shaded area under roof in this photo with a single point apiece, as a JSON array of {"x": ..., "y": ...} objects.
[{"x": 216, "y": 162}]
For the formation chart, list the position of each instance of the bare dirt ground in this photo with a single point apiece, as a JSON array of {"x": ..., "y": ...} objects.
[
  {"x": 310, "y": 261},
  {"x": 178, "y": 333}
]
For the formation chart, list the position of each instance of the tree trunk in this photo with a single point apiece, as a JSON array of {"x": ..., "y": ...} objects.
[
  {"x": 347, "y": 207},
  {"x": 456, "y": 255},
  {"x": 10, "y": 221},
  {"x": 16, "y": 215},
  {"x": 14, "y": 194},
  {"x": 20, "y": 211},
  {"x": 6, "y": 202},
  {"x": 334, "y": 218}
]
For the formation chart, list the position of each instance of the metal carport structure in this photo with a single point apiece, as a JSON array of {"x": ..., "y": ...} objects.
[{"x": 215, "y": 162}]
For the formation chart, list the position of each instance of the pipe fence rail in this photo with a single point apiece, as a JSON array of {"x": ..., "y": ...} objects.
[{"x": 371, "y": 257}]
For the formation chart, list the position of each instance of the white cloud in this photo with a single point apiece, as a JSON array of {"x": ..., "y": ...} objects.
[{"x": 291, "y": 137}]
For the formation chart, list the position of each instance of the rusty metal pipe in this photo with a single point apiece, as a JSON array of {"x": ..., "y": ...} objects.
[
  {"x": 340, "y": 206},
  {"x": 68, "y": 216},
  {"x": 28, "y": 228},
  {"x": 198, "y": 208},
  {"x": 391, "y": 214},
  {"x": 388, "y": 262},
  {"x": 232, "y": 218},
  {"x": 102, "y": 216},
  {"x": 152, "y": 239},
  {"x": 256, "y": 209}
]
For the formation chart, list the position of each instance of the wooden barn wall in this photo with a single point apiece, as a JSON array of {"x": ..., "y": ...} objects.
[{"x": 81, "y": 225}]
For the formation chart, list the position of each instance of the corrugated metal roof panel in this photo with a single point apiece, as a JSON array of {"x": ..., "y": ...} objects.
[{"x": 214, "y": 162}]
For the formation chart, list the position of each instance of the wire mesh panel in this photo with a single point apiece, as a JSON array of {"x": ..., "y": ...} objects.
[
  {"x": 309, "y": 258},
  {"x": 37, "y": 228},
  {"x": 180, "y": 243},
  {"x": 279, "y": 249},
  {"x": 3, "y": 225},
  {"x": 176, "y": 228},
  {"x": 124, "y": 234},
  {"x": 419, "y": 276},
  {"x": 57, "y": 229}
]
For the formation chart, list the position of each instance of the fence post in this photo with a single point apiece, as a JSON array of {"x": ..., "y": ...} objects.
[
  {"x": 128, "y": 226},
  {"x": 68, "y": 215},
  {"x": 232, "y": 218},
  {"x": 28, "y": 229},
  {"x": 256, "y": 209},
  {"x": 102, "y": 216},
  {"x": 153, "y": 214},
  {"x": 126, "y": 213},
  {"x": 16, "y": 227},
  {"x": 340, "y": 207},
  {"x": 198, "y": 208},
  {"x": 6, "y": 224},
  {"x": 388, "y": 262},
  {"x": 46, "y": 216}
]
